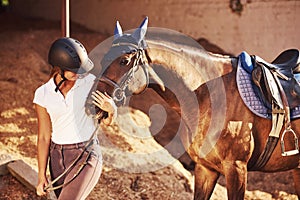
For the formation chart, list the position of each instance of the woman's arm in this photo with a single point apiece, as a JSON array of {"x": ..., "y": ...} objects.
[{"x": 43, "y": 144}]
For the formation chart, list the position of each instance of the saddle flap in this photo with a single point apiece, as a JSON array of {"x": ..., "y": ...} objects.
[{"x": 267, "y": 86}]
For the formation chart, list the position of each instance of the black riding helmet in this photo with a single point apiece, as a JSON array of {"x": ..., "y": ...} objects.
[{"x": 69, "y": 55}]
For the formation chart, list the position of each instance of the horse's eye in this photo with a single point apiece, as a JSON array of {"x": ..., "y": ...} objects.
[{"x": 124, "y": 62}]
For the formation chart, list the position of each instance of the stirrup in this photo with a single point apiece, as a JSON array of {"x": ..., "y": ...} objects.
[{"x": 291, "y": 152}]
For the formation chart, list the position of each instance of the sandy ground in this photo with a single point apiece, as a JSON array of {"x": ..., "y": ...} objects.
[{"x": 126, "y": 174}]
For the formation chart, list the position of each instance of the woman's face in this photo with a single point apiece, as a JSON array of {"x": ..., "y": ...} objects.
[{"x": 71, "y": 76}]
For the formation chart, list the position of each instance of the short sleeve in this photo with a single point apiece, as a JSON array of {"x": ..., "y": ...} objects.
[{"x": 39, "y": 96}]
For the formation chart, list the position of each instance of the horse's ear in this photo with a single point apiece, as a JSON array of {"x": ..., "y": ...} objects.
[
  {"x": 118, "y": 31},
  {"x": 140, "y": 32}
]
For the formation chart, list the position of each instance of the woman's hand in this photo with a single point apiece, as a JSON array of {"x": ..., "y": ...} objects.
[
  {"x": 105, "y": 103},
  {"x": 42, "y": 183}
]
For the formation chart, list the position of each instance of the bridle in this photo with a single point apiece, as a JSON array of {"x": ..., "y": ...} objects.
[{"x": 119, "y": 92}]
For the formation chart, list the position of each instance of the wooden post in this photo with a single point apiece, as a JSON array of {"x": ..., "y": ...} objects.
[{"x": 65, "y": 18}]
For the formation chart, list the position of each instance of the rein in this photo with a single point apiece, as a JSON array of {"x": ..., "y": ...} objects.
[
  {"x": 119, "y": 92},
  {"x": 50, "y": 186}
]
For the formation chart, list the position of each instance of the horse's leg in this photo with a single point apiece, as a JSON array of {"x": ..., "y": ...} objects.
[
  {"x": 296, "y": 176},
  {"x": 205, "y": 181},
  {"x": 236, "y": 179}
]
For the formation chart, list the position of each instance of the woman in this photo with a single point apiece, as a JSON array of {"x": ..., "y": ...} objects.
[{"x": 66, "y": 134}]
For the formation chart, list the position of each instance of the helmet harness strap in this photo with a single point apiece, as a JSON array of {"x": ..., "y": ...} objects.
[{"x": 62, "y": 74}]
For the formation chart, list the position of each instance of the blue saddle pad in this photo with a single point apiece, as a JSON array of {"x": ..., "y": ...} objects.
[{"x": 247, "y": 91}]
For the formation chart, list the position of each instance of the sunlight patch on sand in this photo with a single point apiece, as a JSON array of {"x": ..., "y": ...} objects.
[
  {"x": 32, "y": 119},
  {"x": 11, "y": 128},
  {"x": 13, "y": 112}
]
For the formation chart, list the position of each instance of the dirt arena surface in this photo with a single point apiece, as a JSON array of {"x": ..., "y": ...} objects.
[{"x": 24, "y": 45}]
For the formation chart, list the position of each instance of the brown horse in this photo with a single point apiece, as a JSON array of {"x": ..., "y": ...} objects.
[{"x": 222, "y": 135}]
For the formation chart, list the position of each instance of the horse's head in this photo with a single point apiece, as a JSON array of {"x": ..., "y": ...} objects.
[{"x": 126, "y": 68}]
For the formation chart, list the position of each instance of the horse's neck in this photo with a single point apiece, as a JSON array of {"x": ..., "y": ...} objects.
[
  {"x": 194, "y": 66},
  {"x": 184, "y": 70}
]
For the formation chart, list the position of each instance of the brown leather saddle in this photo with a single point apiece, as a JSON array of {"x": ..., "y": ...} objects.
[{"x": 278, "y": 79}]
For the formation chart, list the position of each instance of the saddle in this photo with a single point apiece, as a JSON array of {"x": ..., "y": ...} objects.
[
  {"x": 277, "y": 84},
  {"x": 278, "y": 81}
]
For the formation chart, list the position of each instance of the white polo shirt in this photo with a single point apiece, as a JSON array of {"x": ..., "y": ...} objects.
[{"x": 70, "y": 123}]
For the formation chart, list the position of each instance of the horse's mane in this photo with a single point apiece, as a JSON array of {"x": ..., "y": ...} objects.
[{"x": 187, "y": 58}]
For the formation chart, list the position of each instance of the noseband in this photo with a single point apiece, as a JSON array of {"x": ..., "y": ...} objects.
[{"x": 119, "y": 94}]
